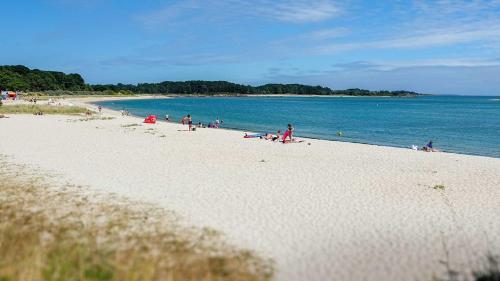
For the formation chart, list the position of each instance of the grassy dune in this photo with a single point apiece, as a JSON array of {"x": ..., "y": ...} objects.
[
  {"x": 63, "y": 235},
  {"x": 45, "y": 109}
]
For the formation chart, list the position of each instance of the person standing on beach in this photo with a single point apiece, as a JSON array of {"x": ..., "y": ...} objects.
[
  {"x": 166, "y": 117},
  {"x": 190, "y": 121},
  {"x": 288, "y": 133},
  {"x": 100, "y": 109}
]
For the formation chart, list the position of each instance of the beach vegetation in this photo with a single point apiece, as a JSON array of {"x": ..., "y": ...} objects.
[
  {"x": 53, "y": 83},
  {"x": 227, "y": 88},
  {"x": 59, "y": 234},
  {"x": 439, "y": 187},
  {"x": 488, "y": 271},
  {"x": 93, "y": 118},
  {"x": 18, "y": 77},
  {"x": 131, "y": 125},
  {"x": 45, "y": 109}
]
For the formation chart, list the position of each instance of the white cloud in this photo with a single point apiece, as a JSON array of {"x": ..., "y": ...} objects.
[
  {"x": 326, "y": 33},
  {"x": 299, "y": 11},
  {"x": 392, "y": 65},
  {"x": 430, "y": 79},
  {"x": 168, "y": 14},
  {"x": 288, "y": 11},
  {"x": 482, "y": 32},
  {"x": 183, "y": 60}
]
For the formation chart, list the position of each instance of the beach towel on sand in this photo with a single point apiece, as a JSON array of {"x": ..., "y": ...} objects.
[{"x": 253, "y": 136}]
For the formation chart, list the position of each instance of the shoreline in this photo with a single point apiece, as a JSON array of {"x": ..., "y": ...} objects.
[{"x": 92, "y": 104}]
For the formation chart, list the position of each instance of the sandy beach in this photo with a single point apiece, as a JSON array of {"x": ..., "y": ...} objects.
[{"x": 322, "y": 210}]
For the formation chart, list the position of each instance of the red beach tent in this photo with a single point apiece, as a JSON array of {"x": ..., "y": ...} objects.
[{"x": 151, "y": 119}]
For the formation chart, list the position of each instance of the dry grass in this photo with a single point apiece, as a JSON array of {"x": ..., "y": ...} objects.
[
  {"x": 439, "y": 187},
  {"x": 60, "y": 234},
  {"x": 91, "y": 118},
  {"x": 45, "y": 109},
  {"x": 131, "y": 125}
]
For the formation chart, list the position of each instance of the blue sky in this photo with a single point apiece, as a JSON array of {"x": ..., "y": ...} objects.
[{"x": 438, "y": 47}]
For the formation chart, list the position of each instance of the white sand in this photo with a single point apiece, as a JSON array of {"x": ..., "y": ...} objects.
[{"x": 325, "y": 211}]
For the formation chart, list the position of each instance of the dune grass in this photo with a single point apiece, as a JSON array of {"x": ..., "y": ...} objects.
[
  {"x": 55, "y": 234},
  {"x": 488, "y": 270},
  {"x": 91, "y": 118},
  {"x": 45, "y": 109},
  {"x": 131, "y": 125}
]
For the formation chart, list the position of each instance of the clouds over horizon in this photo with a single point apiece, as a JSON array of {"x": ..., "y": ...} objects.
[{"x": 427, "y": 79}]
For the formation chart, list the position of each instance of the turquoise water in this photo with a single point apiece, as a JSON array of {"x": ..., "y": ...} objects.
[{"x": 468, "y": 125}]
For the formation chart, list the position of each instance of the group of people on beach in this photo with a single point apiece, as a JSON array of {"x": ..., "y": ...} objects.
[
  {"x": 189, "y": 121},
  {"x": 286, "y": 138}
]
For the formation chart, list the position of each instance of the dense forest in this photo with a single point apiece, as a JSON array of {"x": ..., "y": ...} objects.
[
  {"x": 24, "y": 79},
  {"x": 223, "y": 87},
  {"x": 21, "y": 78}
]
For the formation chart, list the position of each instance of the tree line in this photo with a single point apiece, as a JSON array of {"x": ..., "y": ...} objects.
[
  {"x": 24, "y": 79},
  {"x": 21, "y": 78}
]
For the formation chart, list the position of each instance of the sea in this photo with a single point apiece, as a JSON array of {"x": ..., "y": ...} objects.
[{"x": 459, "y": 124}]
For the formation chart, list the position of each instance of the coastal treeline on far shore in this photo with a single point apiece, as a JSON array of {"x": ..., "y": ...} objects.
[{"x": 21, "y": 78}]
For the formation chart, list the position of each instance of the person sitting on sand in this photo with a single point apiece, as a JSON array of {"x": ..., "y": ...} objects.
[
  {"x": 277, "y": 137},
  {"x": 429, "y": 147},
  {"x": 288, "y": 133},
  {"x": 266, "y": 136}
]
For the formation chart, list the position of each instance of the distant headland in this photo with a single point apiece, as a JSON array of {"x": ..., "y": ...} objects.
[{"x": 21, "y": 78}]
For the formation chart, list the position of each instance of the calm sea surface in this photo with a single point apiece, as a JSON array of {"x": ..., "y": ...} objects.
[{"x": 468, "y": 125}]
